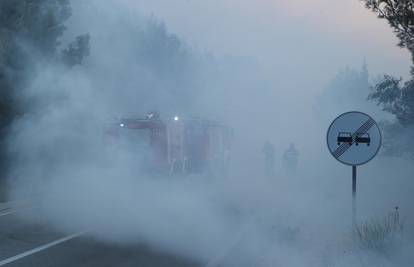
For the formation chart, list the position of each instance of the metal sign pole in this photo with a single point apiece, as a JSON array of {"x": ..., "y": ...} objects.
[{"x": 354, "y": 181}]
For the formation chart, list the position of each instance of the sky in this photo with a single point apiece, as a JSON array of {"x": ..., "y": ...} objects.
[{"x": 329, "y": 34}]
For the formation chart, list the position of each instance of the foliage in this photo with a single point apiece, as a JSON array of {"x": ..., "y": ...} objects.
[
  {"x": 392, "y": 94},
  {"x": 400, "y": 16},
  {"x": 397, "y": 140},
  {"x": 396, "y": 98},
  {"x": 380, "y": 234},
  {"x": 76, "y": 51},
  {"x": 39, "y": 23},
  {"x": 165, "y": 55},
  {"x": 347, "y": 91},
  {"x": 151, "y": 68},
  {"x": 30, "y": 33}
]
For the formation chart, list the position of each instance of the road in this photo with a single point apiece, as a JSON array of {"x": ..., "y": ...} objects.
[{"x": 25, "y": 243}]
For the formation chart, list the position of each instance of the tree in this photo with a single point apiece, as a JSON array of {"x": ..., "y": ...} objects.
[
  {"x": 400, "y": 16},
  {"x": 392, "y": 94},
  {"x": 396, "y": 98},
  {"x": 30, "y": 33},
  {"x": 347, "y": 91},
  {"x": 76, "y": 51},
  {"x": 158, "y": 70}
]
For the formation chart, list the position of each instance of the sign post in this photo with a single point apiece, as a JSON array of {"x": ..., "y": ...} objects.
[
  {"x": 354, "y": 181},
  {"x": 354, "y": 139}
]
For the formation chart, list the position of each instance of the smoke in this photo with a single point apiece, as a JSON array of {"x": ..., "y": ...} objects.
[{"x": 78, "y": 181}]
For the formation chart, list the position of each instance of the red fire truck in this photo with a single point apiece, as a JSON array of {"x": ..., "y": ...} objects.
[{"x": 178, "y": 145}]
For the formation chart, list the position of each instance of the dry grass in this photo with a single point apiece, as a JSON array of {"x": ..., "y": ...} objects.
[{"x": 380, "y": 234}]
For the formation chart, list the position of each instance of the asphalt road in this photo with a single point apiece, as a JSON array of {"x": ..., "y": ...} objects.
[{"x": 25, "y": 243}]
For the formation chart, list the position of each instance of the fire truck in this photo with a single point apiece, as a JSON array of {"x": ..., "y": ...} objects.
[{"x": 175, "y": 146}]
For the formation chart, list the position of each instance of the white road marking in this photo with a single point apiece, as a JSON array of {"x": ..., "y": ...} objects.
[
  {"x": 7, "y": 213},
  {"x": 39, "y": 249}
]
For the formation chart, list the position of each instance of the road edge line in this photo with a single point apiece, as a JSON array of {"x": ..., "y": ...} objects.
[{"x": 39, "y": 249}]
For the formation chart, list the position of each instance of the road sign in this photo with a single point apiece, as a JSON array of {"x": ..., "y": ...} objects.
[{"x": 354, "y": 138}]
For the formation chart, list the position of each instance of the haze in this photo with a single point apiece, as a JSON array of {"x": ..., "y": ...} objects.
[
  {"x": 258, "y": 67},
  {"x": 315, "y": 38}
]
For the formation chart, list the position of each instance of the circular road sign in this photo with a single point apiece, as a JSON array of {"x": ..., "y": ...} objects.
[{"x": 354, "y": 138}]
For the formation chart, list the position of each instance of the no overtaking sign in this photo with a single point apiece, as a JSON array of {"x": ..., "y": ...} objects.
[{"x": 354, "y": 138}]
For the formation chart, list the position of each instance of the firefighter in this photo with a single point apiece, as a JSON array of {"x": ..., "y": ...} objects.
[
  {"x": 269, "y": 153},
  {"x": 291, "y": 158}
]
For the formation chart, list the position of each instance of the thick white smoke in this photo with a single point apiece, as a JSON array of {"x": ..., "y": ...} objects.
[{"x": 77, "y": 181}]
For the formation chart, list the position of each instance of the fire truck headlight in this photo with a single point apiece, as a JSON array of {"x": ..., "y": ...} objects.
[
  {"x": 176, "y": 118},
  {"x": 122, "y": 125}
]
